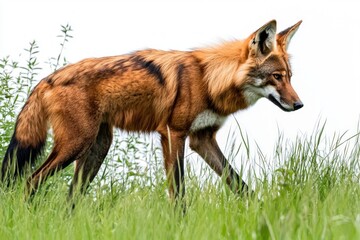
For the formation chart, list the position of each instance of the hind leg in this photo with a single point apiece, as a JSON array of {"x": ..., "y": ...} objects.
[
  {"x": 69, "y": 145},
  {"x": 87, "y": 167}
]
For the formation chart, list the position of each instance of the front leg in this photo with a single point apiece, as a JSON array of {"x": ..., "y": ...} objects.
[
  {"x": 173, "y": 150},
  {"x": 204, "y": 143}
]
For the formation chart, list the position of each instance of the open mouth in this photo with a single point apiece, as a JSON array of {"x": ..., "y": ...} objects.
[{"x": 277, "y": 103}]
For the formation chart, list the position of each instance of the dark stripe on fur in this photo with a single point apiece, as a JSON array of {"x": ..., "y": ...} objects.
[
  {"x": 17, "y": 157},
  {"x": 151, "y": 67},
  {"x": 180, "y": 72}
]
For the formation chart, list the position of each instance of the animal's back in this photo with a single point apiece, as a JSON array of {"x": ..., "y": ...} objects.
[{"x": 135, "y": 92}]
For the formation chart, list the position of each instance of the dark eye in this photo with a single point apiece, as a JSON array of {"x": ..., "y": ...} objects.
[{"x": 277, "y": 76}]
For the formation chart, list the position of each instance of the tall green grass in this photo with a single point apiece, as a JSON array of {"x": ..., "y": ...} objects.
[
  {"x": 309, "y": 191},
  {"x": 307, "y": 197}
]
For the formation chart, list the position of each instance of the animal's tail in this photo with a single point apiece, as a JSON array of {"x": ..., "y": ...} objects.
[{"x": 28, "y": 138}]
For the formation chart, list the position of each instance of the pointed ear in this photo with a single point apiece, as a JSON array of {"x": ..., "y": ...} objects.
[
  {"x": 283, "y": 38},
  {"x": 262, "y": 41}
]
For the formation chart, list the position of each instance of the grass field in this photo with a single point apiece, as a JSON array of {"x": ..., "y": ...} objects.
[{"x": 312, "y": 194}]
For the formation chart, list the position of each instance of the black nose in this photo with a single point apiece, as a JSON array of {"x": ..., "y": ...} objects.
[{"x": 298, "y": 105}]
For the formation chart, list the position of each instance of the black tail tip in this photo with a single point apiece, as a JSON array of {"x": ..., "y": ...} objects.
[{"x": 16, "y": 158}]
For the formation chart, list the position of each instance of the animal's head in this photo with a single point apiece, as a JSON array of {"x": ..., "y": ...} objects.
[{"x": 268, "y": 69}]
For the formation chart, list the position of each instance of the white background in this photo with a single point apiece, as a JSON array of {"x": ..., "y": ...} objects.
[{"x": 325, "y": 50}]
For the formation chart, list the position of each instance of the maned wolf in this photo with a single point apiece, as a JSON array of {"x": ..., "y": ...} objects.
[{"x": 178, "y": 94}]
